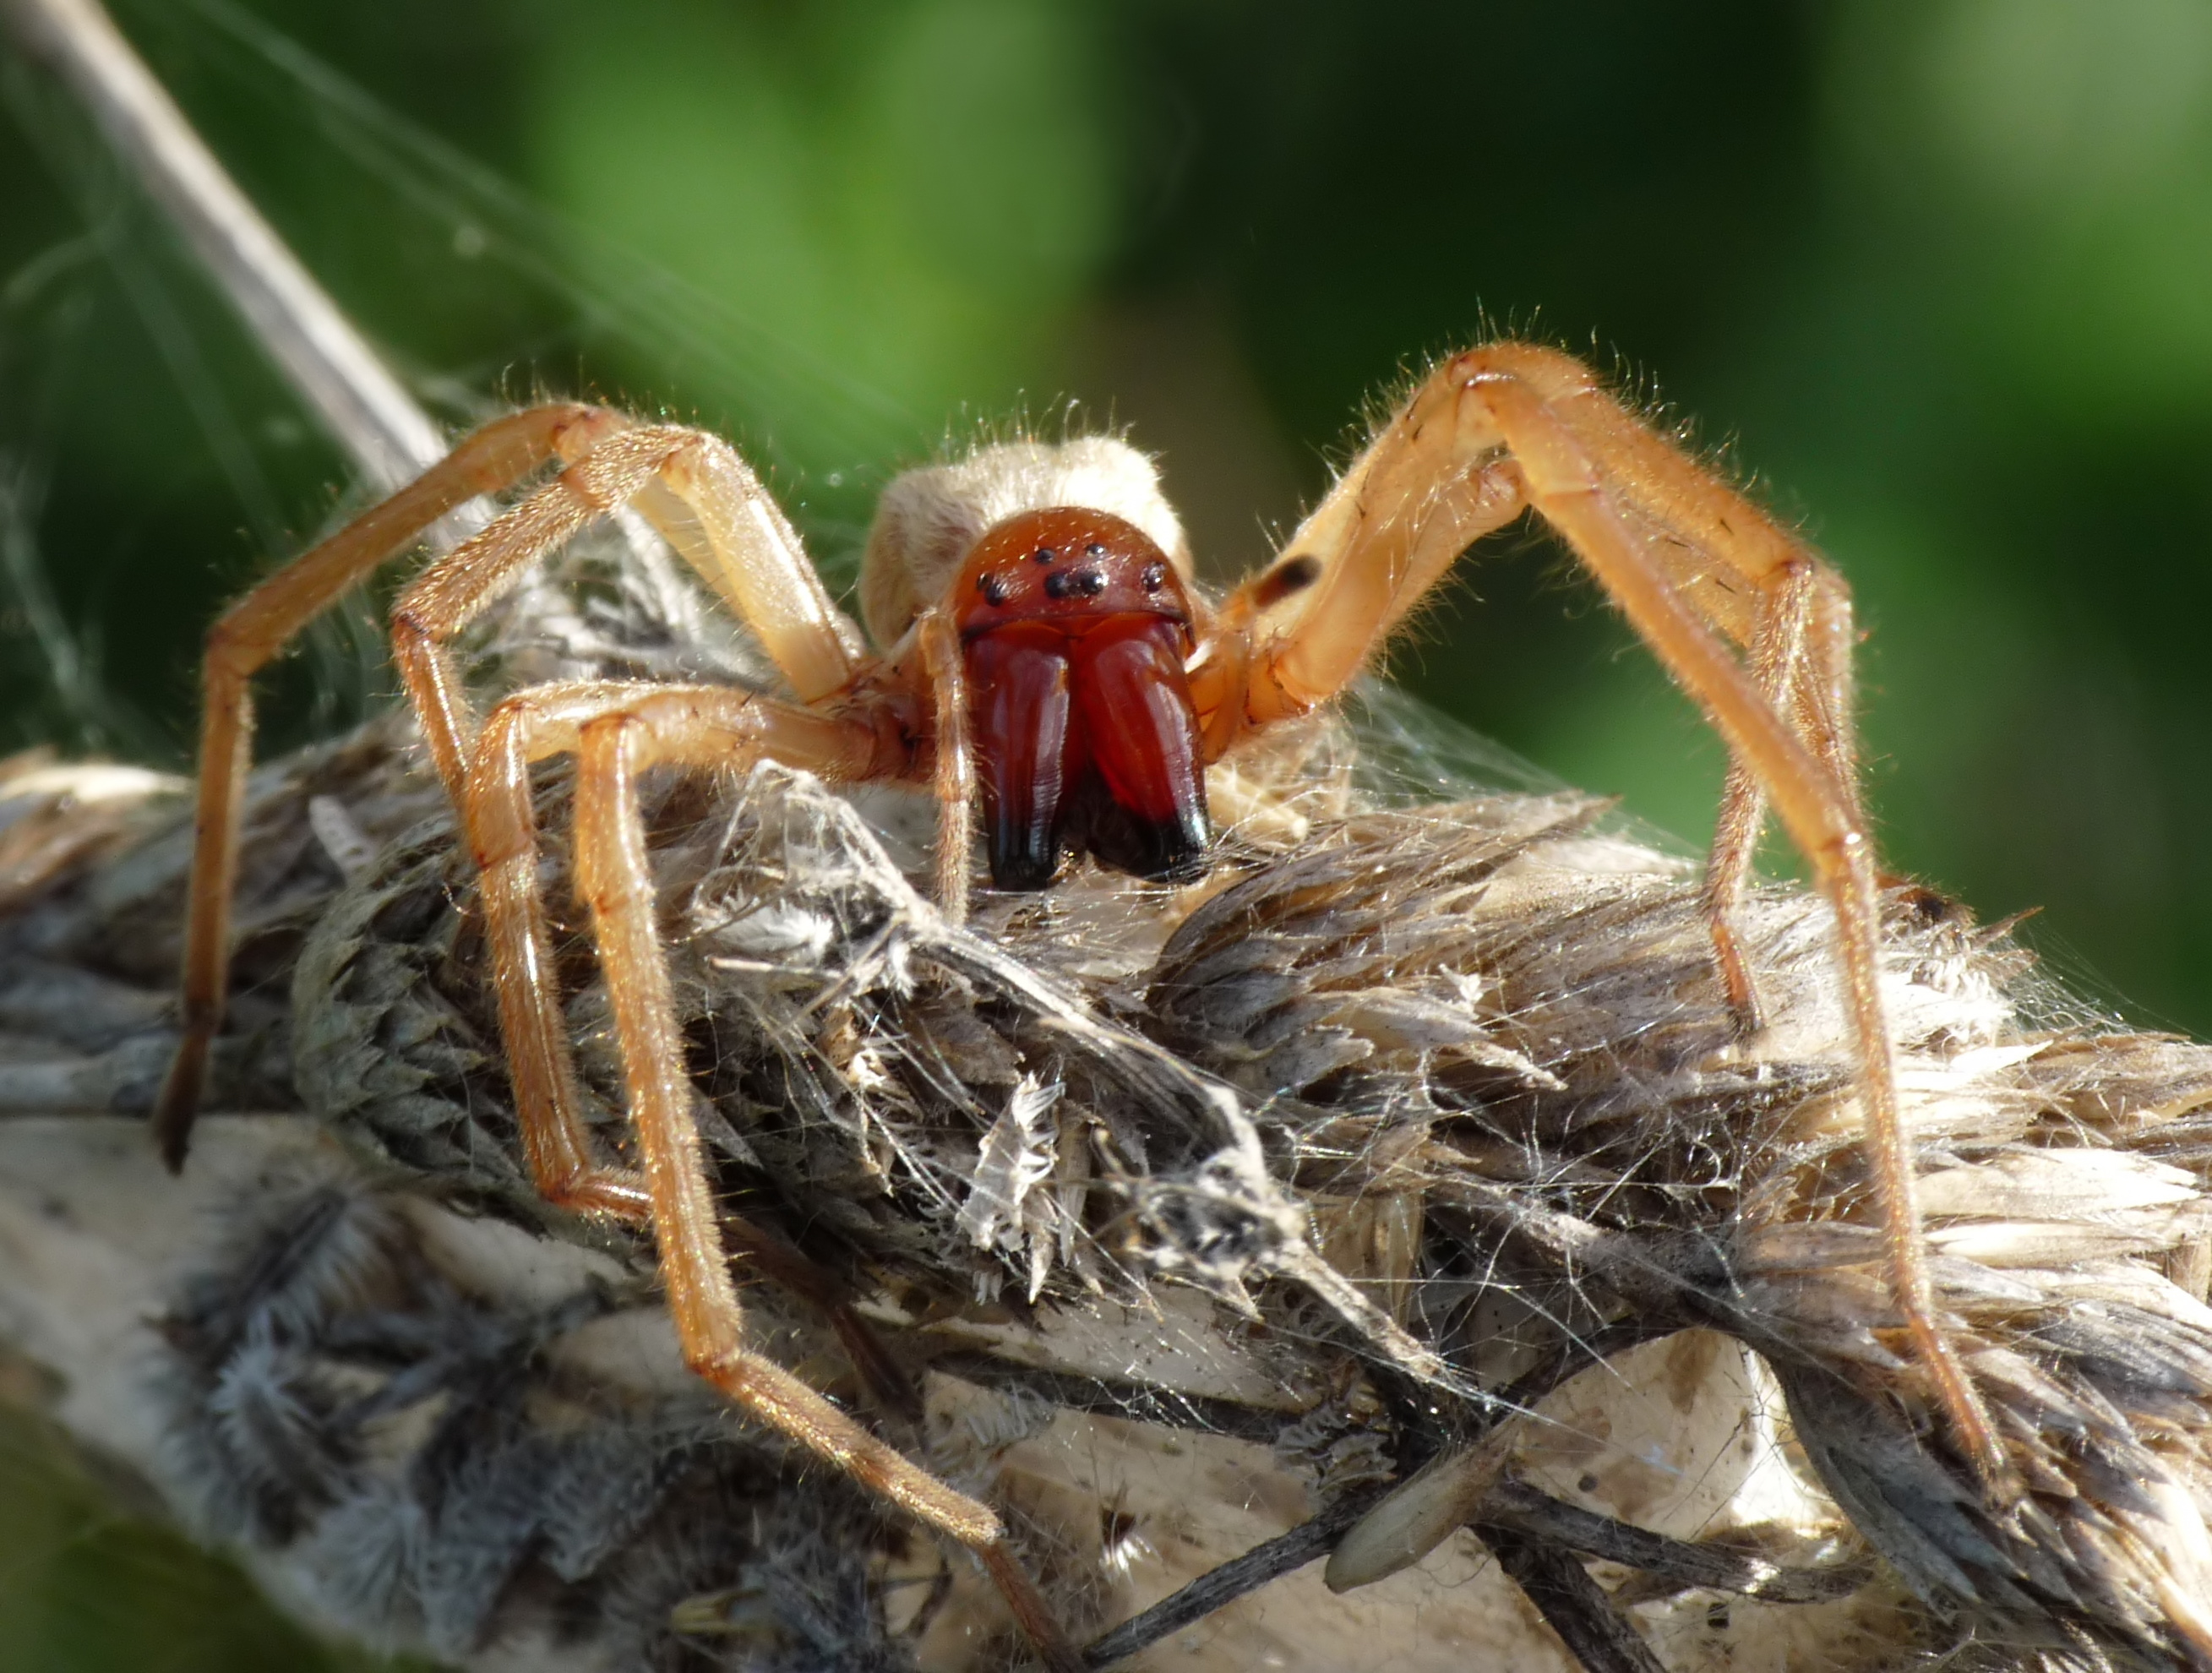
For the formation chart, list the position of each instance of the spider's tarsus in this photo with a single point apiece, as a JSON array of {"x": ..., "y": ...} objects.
[
  {"x": 1736, "y": 985},
  {"x": 1035, "y": 1616},
  {"x": 178, "y": 1104}
]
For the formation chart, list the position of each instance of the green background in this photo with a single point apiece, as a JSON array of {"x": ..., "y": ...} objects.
[{"x": 1937, "y": 276}]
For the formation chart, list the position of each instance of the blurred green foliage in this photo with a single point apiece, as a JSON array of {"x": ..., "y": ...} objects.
[{"x": 1939, "y": 271}]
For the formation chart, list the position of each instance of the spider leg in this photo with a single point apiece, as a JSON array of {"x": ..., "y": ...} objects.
[
  {"x": 618, "y": 732},
  {"x": 711, "y": 506},
  {"x": 1687, "y": 560},
  {"x": 698, "y": 494},
  {"x": 945, "y": 669},
  {"x": 1767, "y": 591},
  {"x": 724, "y": 728},
  {"x": 1566, "y": 483},
  {"x": 691, "y": 485},
  {"x": 249, "y": 633},
  {"x": 1777, "y": 650},
  {"x": 1294, "y": 635}
]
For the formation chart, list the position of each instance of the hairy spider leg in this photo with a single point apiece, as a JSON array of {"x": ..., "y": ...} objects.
[
  {"x": 733, "y": 729},
  {"x": 936, "y": 637},
  {"x": 1774, "y": 659},
  {"x": 243, "y": 639},
  {"x": 1818, "y": 805},
  {"x": 755, "y": 1246},
  {"x": 1565, "y": 484},
  {"x": 1794, "y": 620},
  {"x": 616, "y": 732},
  {"x": 1499, "y": 428},
  {"x": 712, "y": 508},
  {"x": 698, "y": 494},
  {"x": 694, "y": 488}
]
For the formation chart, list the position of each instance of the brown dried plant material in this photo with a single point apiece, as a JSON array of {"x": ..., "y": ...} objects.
[{"x": 1181, "y": 1221}]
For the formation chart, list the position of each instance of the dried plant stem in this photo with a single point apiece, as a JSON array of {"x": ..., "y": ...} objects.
[
  {"x": 325, "y": 359},
  {"x": 1574, "y": 1605},
  {"x": 1700, "y": 1566},
  {"x": 1307, "y": 1542}
]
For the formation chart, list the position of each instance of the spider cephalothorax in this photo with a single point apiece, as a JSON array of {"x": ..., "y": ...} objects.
[{"x": 1043, "y": 654}]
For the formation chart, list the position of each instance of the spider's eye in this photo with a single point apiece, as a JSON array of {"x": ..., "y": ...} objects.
[
  {"x": 1154, "y": 577},
  {"x": 1095, "y": 549},
  {"x": 992, "y": 587},
  {"x": 1087, "y": 583},
  {"x": 1045, "y": 554}
]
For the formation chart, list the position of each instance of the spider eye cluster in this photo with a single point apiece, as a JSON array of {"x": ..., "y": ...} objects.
[
  {"x": 1074, "y": 566},
  {"x": 1074, "y": 584}
]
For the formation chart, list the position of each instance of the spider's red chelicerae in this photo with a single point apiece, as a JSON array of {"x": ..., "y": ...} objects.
[{"x": 1040, "y": 649}]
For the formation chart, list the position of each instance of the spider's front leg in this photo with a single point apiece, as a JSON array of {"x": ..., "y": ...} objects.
[
  {"x": 691, "y": 485},
  {"x": 257, "y": 627},
  {"x": 616, "y": 733},
  {"x": 1692, "y": 564}
]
